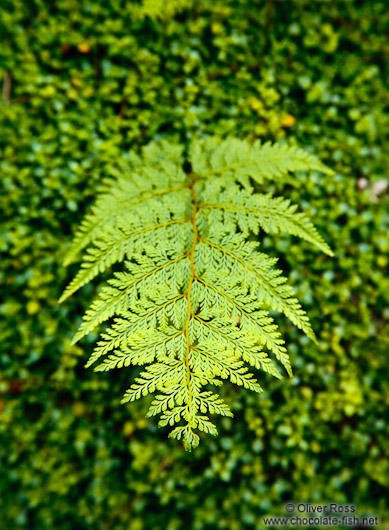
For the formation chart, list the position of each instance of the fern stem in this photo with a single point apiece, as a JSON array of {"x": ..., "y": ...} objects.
[{"x": 193, "y": 275}]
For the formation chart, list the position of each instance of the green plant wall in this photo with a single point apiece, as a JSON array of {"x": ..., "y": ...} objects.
[{"x": 84, "y": 82}]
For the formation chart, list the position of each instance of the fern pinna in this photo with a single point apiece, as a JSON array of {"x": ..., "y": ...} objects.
[{"x": 193, "y": 300}]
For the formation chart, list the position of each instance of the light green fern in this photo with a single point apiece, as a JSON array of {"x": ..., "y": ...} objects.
[{"x": 192, "y": 302}]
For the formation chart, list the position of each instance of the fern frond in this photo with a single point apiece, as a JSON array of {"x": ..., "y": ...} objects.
[
  {"x": 150, "y": 316},
  {"x": 160, "y": 219},
  {"x": 254, "y": 269},
  {"x": 243, "y": 344},
  {"x": 138, "y": 188},
  {"x": 248, "y": 212},
  {"x": 242, "y": 161},
  {"x": 248, "y": 312},
  {"x": 143, "y": 348},
  {"x": 156, "y": 377},
  {"x": 145, "y": 275},
  {"x": 192, "y": 302}
]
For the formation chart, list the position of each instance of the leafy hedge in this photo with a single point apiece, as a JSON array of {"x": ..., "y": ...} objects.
[{"x": 84, "y": 82}]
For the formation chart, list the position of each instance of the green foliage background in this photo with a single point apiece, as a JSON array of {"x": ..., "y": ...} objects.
[{"x": 83, "y": 82}]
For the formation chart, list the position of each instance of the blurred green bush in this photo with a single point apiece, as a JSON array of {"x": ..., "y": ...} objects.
[{"x": 82, "y": 83}]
